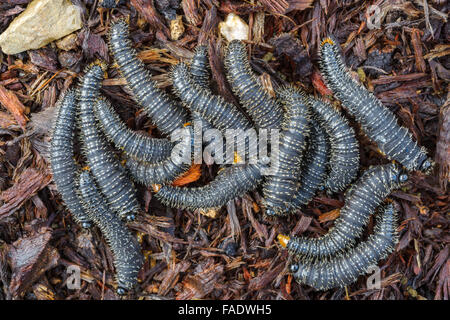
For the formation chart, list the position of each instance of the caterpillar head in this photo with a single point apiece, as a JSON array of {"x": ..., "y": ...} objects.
[
  {"x": 427, "y": 166},
  {"x": 86, "y": 224},
  {"x": 121, "y": 291},
  {"x": 401, "y": 176},
  {"x": 294, "y": 267}
]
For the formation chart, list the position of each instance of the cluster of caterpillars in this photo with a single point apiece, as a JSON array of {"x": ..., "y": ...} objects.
[{"x": 317, "y": 149}]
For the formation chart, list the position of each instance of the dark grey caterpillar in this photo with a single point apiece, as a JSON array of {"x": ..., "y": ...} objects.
[
  {"x": 231, "y": 182},
  {"x": 134, "y": 144},
  {"x": 314, "y": 167},
  {"x": 360, "y": 202},
  {"x": 378, "y": 122},
  {"x": 165, "y": 113},
  {"x": 344, "y": 154},
  {"x": 165, "y": 171},
  {"x": 214, "y": 109},
  {"x": 281, "y": 187},
  {"x": 344, "y": 269},
  {"x": 128, "y": 258},
  {"x": 63, "y": 165},
  {"x": 262, "y": 108},
  {"x": 200, "y": 66},
  {"x": 110, "y": 176},
  {"x": 199, "y": 69}
]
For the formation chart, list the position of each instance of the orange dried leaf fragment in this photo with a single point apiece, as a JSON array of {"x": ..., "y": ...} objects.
[{"x": 9, "y": 100}]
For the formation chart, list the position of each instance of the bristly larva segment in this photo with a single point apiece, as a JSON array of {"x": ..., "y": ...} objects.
[
  {"x": 378, "y": 122},
  {"x": 214, "y": 109},
  {"x": 109, "y": 174},
  {"x": 344, "y": 269},
  {"x": 128, "y": 258},
  {"x": 262, "y": 108},
  {"x": 165, "y": 113},
  {"x": 360, "y": 202},
  {"x": 231, "y": 182},
  {"x": 281, "y": 187},
  {"x": 148, "y": 173},
  {"x": 199, "y": 66},
  {"x": 134, "y": 144},
  {"x": 314, "y": 166},
  {"x": 63, "y": 165},
  {"x": 344, "y": 151}
]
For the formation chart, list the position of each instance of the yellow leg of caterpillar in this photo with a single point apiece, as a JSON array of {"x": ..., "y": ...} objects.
[{"x": 346, "y": 294}]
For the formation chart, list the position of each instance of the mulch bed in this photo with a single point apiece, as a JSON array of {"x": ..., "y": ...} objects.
[{"x": 405, "y": 63}]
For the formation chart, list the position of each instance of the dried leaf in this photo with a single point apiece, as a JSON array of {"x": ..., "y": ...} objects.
[
  {"x": 29, "y": 259},
  {"x": 9, "y": 100}
]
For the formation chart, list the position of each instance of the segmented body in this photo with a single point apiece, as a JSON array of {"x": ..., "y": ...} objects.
[
  {"x": 164, "y": 171},
  {"x": 106, "y": 169},
  {"x": 128, "y": 258},
  {"x": 199, "y": 66},
  {"x": 166, "y": 114},
  {"x": 344, "y": 153},
  {"x": 61, "y": 157},
  {"x": 344, "y": 269},
  {"x": 214, "y": 109},
  {"x": 314, "y": 167},
  {"x": 262, "y": 108},
  {"x": 378, "y": 122},
  {"x": 360, "y": 202},
  {"x": 230, "y": 183},
  {"x": 281, "y": 187},
  {"x": 134, "y": 144}
]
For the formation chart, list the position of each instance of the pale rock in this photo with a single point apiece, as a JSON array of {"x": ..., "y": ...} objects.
[
  {"x": 42, "y": 22},
  {"x": 234, "y": 28}
]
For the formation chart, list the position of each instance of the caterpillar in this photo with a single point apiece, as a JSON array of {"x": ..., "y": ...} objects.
[
  {"x": 134, "y": 144},
  {"x": 148, "y": 173},
  {"x": 229, "y": 183},
  {"x": 214, "y": 109},
  {"x": 128, "y": 258},
  {"x": 262, "y": 108},
  {"x": 61, "y": 157},
  {"x": 378, "y": 122},
  {"x": 165, "y": 113},
  {"x": 360, "y": 202},
  {"x": 344, "y": 153},
  {"x": 199, "y": 67},
  {"x": 344, "y": 269},
  {"x": 280, "y": 188},
  {"x": 314, "y": 168},
  {"x": 108, "y": 173}
]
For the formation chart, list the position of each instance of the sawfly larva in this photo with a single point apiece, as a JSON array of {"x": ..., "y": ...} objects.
[
  {"x": 110, "y": 176},
  {"x": 134, "y": 144},
  {"x": 281, "y": 187},
  {"x": 63, "y": 165},
  {"x": 360, "y": 202},
  {"x": 261, "y": 107},
  {"x": 345, "y": 268},
  {"x": 314, "y": 167},
  {"x": 165, "y": 113},
  {"x": 378, "y": 122},
  {"x": 344, "y": 154},
  {"x": 128, "y": 258}
]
